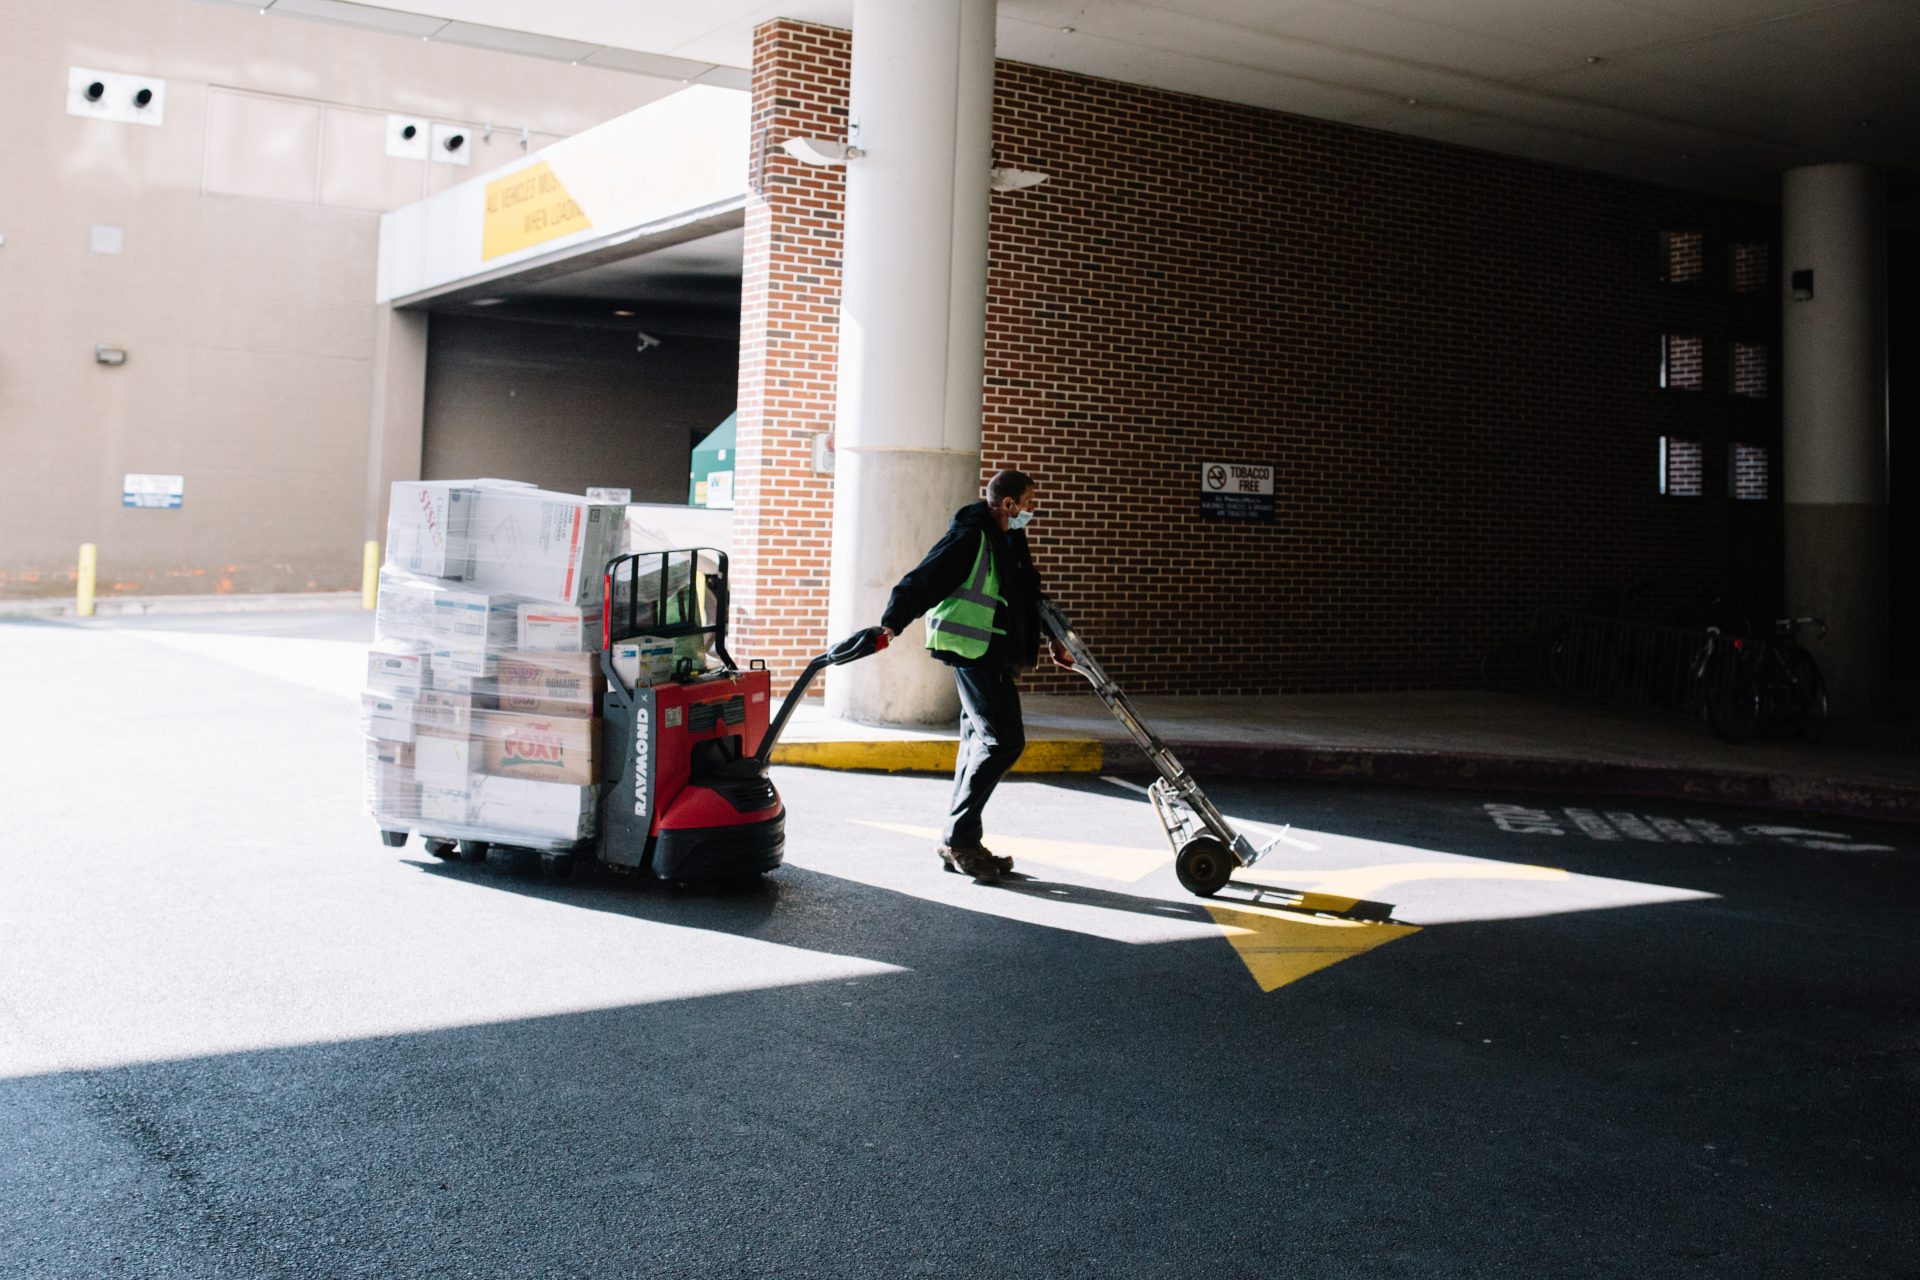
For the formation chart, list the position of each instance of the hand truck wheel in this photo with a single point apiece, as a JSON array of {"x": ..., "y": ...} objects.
[
  {"x": 441, "y": 849},
  {"x": 1204, "y": 866},
  {"x": 473, "y": 850},
  {"x": 393, "y": 839}
]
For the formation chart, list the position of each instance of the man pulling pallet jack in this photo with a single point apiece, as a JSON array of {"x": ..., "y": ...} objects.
[{"x": 985, "y": 614}]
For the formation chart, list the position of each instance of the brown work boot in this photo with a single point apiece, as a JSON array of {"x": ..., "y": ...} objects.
[
  {"x": 975, "y": 862},
  {"x": 947, "y": 851}
]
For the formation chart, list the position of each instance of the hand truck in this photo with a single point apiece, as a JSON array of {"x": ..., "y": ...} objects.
[{"x": 1207, "y": 850}]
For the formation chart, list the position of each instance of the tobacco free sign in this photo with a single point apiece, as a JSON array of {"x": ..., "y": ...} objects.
[{"x": 1236, "y": 491}]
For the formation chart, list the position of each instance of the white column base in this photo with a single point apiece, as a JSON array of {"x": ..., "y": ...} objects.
[{"x": 891, "y": 506}]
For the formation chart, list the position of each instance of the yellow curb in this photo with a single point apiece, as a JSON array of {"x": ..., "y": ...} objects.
[{"x": 935, "y": 755}]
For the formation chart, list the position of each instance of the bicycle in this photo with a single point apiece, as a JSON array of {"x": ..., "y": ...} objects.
[{"x": 1770, "y": 681}]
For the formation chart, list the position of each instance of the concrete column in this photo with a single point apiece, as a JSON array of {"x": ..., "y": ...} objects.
[
  {"x": 1835, "y": 424},
  {"x": 912, "y": 327},
  {"x": 396, "y": 434}
]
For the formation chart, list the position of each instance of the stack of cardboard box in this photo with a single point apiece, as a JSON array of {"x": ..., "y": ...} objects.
[{"x": 483, "y": 684}]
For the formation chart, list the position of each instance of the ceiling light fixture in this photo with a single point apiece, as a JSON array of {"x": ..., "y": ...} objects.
[
  {"x": 623, "y": 313},
  {"x": 488, "y": 302}
]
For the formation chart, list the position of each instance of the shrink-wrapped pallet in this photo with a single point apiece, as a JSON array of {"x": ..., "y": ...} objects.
[{"x": 482, "y": 698}]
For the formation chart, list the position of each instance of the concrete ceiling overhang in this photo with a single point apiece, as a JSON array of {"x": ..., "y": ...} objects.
[{"x": 1718, "y": 95}]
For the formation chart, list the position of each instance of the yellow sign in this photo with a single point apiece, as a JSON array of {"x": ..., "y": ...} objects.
[{"x": 528, "y": 207}]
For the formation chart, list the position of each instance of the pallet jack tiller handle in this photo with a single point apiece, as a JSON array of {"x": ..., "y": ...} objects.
[{"x": 861, "y": 644}]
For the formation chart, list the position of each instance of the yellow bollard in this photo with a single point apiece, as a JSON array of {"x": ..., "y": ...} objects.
[
  {"x": 83, "y": 594},
  {"x": 370, "y": 575}
]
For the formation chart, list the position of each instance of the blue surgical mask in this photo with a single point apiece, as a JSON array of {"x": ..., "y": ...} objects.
[{"x": 1019, "y": 521}]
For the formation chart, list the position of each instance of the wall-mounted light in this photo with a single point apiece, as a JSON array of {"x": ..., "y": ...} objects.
[
  {"x": 104, "y": 354},
  {"x": 1003, "y": 179},
  {"x": 116, "y": 96},
  {"x": 450, "y": 144},
  {"x": 820, "y": 151},
  {"x": 406, "y": 137}
]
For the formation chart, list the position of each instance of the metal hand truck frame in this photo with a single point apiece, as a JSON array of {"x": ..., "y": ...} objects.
[{"x": 1207, "y": 850}]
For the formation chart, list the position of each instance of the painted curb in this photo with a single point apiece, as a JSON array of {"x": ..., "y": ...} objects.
[
  {"x": 936, "y": 755},
  {"x": 1388, "y": 767}
]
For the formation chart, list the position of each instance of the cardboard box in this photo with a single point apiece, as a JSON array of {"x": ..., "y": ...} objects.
[
  {"x": 394, "y": 755},
  {"x": 403, "y": 613},
  {"x": 393, "y": 669},
  {"x": 554, "y": 684},
  {"x": 474, "y": 621},
  {"x": 518, "y": 806},
  {"x": 387, "y": 715},
  {"x": 446, "y": 712},
  {"x": 647, "y": 660},
  {"x": 538, "y": 748},
  {"x": 544, "y": 546},
  {"x": 427, "y": 528},
  {"x": 462, "y": 672},
  {"x": 559, "y": 628},
  {"x": 442, "y": 760},
  {"x": 444, "y": 804},
  {"x": 391, "y": 791}
]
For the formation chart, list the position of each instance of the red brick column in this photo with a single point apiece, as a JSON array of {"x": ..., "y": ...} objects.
[{"x": 789, "y": 347}]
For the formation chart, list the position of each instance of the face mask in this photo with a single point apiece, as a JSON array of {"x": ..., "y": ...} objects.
[{"x": 1020, "y": 521}]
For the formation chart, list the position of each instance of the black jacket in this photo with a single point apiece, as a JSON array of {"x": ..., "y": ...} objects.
[{"x": 946, "y": 567}]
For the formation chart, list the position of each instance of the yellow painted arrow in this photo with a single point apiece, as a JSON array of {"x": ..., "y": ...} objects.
[{"x": 1279, "y": 947}]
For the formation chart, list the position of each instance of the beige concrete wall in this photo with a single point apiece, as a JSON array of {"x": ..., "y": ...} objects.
[{"x": 249, "y": 322}]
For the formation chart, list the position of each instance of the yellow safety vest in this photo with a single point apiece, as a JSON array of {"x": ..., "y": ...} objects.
[{"x": 963, "y": 622}]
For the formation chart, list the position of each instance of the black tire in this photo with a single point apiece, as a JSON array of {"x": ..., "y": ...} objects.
[
  {"x": 393, "y": 839},
  {"x": 1733, "y": 704},
  {"x": 1204, "y": 866},
  {"x": 445, "y": 850},
  {"x": 473, "y": 850},
  {"x": 555, "y": 867},
  {"x": 1573, "y": 663},
  {"x": 1810, "y": 688}
]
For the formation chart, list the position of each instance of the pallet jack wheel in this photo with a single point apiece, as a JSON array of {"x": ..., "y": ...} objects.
[
  {"x": 393, "y": 839},
  {"x": 441, "y": 849},
  {"x": 556, "y": 866},
  {"x": 1203, "y": 865},
  {"x": 473, "y": 850}
]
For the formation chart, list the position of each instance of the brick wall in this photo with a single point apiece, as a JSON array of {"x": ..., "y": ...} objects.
[
  {"x": 789, "y": 346},
  {"x": 1451, "y": 358}
]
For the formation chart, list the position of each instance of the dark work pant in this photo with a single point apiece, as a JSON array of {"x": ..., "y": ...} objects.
[{"x": 991, "y": 739}]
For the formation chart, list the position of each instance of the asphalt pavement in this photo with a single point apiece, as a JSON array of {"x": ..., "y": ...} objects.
[{"x": 1430, "y": 1033}]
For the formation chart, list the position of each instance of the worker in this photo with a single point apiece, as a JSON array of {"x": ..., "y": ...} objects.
[{"x": 981, "y": 593}]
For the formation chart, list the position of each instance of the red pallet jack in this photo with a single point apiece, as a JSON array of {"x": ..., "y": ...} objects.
[
  {"x": 687, "y": 796},
  {"x": 1207, "y": 850}
]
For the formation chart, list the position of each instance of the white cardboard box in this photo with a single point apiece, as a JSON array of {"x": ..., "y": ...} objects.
[
  {"x": 427, "y": 528},
  {"x": 392, "y": 669},
  {"x": 443, "y": 804},
  {"x": 543, "y": 546},
  {"x": 644, "y": 661},
  {"x": 389, "y": 716},
  {"x": 517, "y": 805},
  {"x": 442, "y": 760},
  {"x": 560, "y": 628}
]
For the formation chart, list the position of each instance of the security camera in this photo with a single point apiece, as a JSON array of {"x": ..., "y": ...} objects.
[
  {"x": 96, "y": 91},
  {"x": 143, "y": 97},
  {"x": 643, "y": 340},
  {"x": 455, "y": 141}
]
